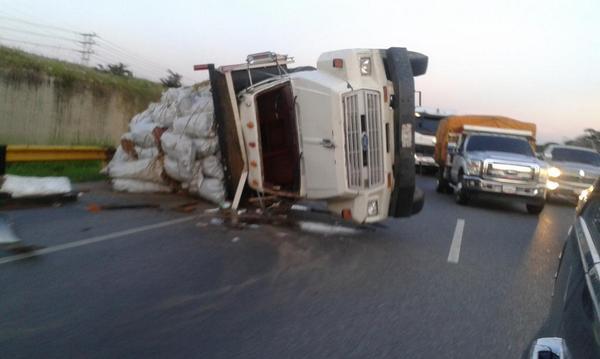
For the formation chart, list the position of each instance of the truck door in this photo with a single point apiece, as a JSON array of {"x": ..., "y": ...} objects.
[{"x": 314, "y": 113}]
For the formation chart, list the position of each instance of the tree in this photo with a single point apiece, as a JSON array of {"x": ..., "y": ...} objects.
[
  {"x": 173, "y": 80},
  {"x": 589, "y": 139},
  {"x": 119, "y": 69}
]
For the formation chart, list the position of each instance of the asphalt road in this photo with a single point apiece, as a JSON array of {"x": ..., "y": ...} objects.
[{"x": 157, "y": 283}]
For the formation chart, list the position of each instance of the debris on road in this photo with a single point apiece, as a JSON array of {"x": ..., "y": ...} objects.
[
  {"x": 94, "y": 207},
  {"x": 171, "y": 146},
  {"x": 9, "y": 241},
  {"x": 21, "y": 186}
]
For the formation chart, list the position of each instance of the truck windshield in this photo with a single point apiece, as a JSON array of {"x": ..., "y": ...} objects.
[
  {"x": 427, "y": 125},
  {"x": 499, "y": 144},
  {"x": 574, "y": 155}
]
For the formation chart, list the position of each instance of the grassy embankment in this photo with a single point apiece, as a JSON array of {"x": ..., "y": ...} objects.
[{"x": 16, "y": 65}]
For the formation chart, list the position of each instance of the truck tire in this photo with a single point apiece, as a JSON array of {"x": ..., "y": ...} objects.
[
  {"x": 443, "y": 186},
  {"x": 461, "y": 196},
  {"x": 535, "y": 208}
]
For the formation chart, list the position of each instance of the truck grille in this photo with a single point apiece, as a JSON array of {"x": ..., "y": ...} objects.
[
  {"x": 576, "y": 179},
  {"x": 364, "y": 143},
  {"x": 507, "y": 171}
]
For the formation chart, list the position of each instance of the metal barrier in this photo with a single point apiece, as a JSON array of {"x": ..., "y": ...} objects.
[{"x": 35, "y": 153}]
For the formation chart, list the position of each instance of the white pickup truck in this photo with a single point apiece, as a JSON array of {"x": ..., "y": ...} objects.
[
  {"x": 342, "y": 132},
  {"x": 490, "y": 156}
]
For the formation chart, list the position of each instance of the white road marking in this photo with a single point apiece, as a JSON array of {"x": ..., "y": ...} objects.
[
  {"x": 92, "y": 240},
  {"x": 456, "y": 240}
]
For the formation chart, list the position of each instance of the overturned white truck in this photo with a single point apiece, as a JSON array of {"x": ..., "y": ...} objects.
[{"x": 342, "y": 133}]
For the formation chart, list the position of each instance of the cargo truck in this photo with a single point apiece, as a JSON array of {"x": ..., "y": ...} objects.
[
  {"x": 342, "y": 132},
  {"x": 490, "y": 156}
]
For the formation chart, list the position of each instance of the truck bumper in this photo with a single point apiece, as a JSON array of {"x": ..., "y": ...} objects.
[
  {"x": 568, "y": 191},
  {"x": 527, "y": 193},
  {"x": 422, "y": 160}
]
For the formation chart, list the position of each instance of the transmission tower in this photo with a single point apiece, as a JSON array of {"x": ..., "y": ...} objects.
[{"x": 87, "y": 47}]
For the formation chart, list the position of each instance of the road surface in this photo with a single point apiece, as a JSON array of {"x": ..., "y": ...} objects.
[{"x": 451, "y": 282}]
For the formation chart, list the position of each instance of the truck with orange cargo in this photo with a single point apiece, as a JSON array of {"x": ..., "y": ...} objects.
[{"x": 490, "y": 157}]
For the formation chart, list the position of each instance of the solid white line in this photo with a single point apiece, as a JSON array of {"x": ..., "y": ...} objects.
[
  {"x": 92, "y": 240},
  {"x": 456, "y": 240}
]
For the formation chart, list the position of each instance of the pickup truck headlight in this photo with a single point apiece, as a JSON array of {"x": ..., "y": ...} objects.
[
  {"x": 372, "y": 208},
  {"x": 473, "y": 167},
  {"x": 365, "y": 66},
  {"x": 553, "y": 172}
]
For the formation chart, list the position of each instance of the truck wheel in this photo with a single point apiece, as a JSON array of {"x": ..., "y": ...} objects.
[
  {"x": 535, "y": 208},
  {"x": 461, "y": 196},
  {"x": 442, "y": 184}
]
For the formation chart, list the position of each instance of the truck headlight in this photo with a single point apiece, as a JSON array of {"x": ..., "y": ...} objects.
[
  {"x": 372, "y": 208},
  {"x": 551, "y": 185},
  {"x": 365, "y": 66},
  {"x": 553, "y": 172},
  {"x": 473, "y": 167}
]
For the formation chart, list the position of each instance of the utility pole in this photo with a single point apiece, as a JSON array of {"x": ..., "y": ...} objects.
[{"x": 87, "y": 47}]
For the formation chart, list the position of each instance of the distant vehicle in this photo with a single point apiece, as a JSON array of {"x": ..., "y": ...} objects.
[
  {"x": 572, "y": 329},
  {"x": 342, "y": 133},
  {"x": 426, "y": 124},
  {"x": 488, "y": 156},
  {"x": 573, "y": 169}
]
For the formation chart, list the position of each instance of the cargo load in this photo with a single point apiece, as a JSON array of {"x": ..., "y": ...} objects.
[{"x": 453, "y": 125}]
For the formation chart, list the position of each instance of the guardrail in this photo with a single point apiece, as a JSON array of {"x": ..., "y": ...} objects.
[{"x": 35, "y": 153}]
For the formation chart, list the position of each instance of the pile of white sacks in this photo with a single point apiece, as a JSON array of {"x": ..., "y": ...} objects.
[{"x": 171, "y": 146}]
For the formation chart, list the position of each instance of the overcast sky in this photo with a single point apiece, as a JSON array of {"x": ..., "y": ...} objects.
[{"x": 536, "y": 61}]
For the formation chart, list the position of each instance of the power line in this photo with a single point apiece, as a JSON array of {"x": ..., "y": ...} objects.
[
  {"x": 33, "y": 33},
  {"x": 37, "y": 44},
  {"x": 39, "y": 25},
  {"x": 118, "y": 48}
]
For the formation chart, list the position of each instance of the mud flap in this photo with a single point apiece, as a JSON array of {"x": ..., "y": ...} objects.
[{"x": 400, "y": 64}]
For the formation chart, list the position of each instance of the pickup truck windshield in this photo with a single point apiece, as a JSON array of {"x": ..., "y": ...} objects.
[
  {"x": 499, "y": 144},
  {"x": 578, "y": 156}
]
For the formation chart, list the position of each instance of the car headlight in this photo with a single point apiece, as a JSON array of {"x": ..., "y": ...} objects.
[
  {"x": 553, "y": 172},
  {"x": 585, "y": 194},
  {"x": 372, "y": 208},
  {"x": 365, "y": 66},
  {"x": 473, "y": 167},
  {"x": 551, "y": 185}
]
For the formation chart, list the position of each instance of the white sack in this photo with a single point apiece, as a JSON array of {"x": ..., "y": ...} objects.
[
  {"x": 165, "y": 114},
  {"x": 211, "y": 167},
  {"x": 193, "y": 186},
  {"x": 196, "y": 125},
  {"x": 205, "y": 146},
  {"x": 178, "y": 147},
  {"x": 19, "y": 186},
  {"x": 178, "y": 170},
  {"x": 119, "y": 157},
  {"x": 143, "y": 139},
  {"x": 143, "y": 170},
  {"x": 213, "y": 190},
  {"x": 145, "y": 153},
  {"x": 135, "y": 186}
]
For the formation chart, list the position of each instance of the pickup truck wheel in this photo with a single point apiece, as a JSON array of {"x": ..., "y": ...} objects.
[
  {"x": 461, "y": 196},
  {"x": 535, "y": 208}
]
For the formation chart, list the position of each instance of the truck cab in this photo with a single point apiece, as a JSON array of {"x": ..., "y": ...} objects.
[
  {"x": 426, "y": 124},
  {"x": 494, "y": 162},
  {"x": 342, "y": 132}
]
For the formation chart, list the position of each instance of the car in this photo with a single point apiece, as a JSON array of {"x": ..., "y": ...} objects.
[
  {"x": 573, "y": 169},
  {"x": 572, "y": 329}
]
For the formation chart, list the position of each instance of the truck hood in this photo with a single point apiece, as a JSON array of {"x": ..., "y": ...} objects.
[{"x": 504, "y": 156}]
